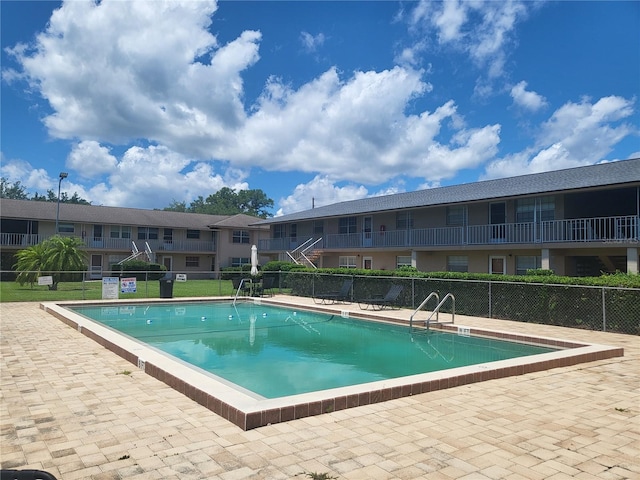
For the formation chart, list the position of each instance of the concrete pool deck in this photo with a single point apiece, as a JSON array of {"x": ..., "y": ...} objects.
[{"x": 77, "y": 410}]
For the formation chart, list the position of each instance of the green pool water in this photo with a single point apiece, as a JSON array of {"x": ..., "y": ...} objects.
[{"x": 276, "y": 352}]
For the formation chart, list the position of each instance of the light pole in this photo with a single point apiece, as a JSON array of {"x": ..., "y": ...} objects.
[{"x": 62, "y": 176}]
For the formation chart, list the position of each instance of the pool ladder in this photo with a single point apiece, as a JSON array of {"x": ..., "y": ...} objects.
[
  {"x": 240, "y": 288},
  {"x": 436, "y": 311}
]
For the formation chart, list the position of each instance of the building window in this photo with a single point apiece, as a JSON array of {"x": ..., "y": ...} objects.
[
  {"x": 457, "y": 263},
  {"x": 120, "y": 231},
  {"x": 525, "y": 262},
  {"x": 193, "y": 234},
  {"x": 240, "y": 261},
  {"x": 240, "y": 236},
  {"x": 147, "y": 233},
  {"x": 168, "y": 235},
  {"x": 318, "y": 228},
  {"x": 404, "y": 221},
  {"x": 294, "y": 232},
  {"x": 347, "y": 262},
  {"x": 192, "y": 261},
  {"x": 403, "y": 261},
  {"x": 457, "y": 215},
  {"x": 535, "y": 209},
  {"x": 113, "y": 259},
  {"x": 279, "y": 231},
  {"x": 348, "y": 225},
  {"x": 66, "y": 228}
]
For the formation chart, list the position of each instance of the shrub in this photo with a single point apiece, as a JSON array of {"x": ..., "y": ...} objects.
[
  {"x": 539, "y": 271},
  {"x": 279, "y": 266},
  {"x": 139, "y": 269}
]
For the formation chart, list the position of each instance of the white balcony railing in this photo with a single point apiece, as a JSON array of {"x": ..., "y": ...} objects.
[
  {"x": 21, "y": 240},
  {"x": 603, "y": 229}
]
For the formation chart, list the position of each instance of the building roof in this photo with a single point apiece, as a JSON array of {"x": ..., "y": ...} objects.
[
  {"x": 593, "y": 176},
  {"x": 29, "y": 209}
]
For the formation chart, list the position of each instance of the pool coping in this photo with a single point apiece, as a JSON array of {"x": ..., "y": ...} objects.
[{"x": 249, "y": 412}]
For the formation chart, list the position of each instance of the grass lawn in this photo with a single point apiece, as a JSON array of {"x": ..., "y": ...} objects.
[{"x": 13, "y": 292}]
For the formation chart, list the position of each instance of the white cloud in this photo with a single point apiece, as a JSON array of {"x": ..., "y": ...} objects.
[
  {"x": 91, "y": 160},
  {"x": 411, "y": 56},
  {"x": 117, "y": 71},
  {"x": 449, "y": 20},
  {"x": 357, "y": 129},
  {"x": 588, "y": 130},
  {"x": 576, "y": 134},
  {"x": 318, "y": 192},
  {"x": 528, "y": 100},
  {"x": 310, "y": 42},
  {"x": 35, "y": 180},
  {"x": 481, "y": 29},
  {"x": 155, "y": 176}
]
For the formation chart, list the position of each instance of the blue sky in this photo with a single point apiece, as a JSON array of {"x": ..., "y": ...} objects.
[{"x": 146, "y": 103}]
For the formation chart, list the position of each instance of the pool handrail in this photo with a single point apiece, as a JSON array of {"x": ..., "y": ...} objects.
[
  {"x": 240, "y": 285},
  {"x": 424, "y": 302},
  {"x": 437, "y": 309}
]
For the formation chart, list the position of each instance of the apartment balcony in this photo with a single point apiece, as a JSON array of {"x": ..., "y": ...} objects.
[
  {"x": 21, "y": 240},
  {"x": 622, "y": 229},
  {"x": 180, "y": 246}
]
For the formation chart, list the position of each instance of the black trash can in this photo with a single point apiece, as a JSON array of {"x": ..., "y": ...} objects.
[{"x": 166, "y": 287}]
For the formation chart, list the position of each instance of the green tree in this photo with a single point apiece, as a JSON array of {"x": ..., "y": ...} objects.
[
  {"x": 15, "y": 191},
  {"x": 177, "y": 207},
  {"x": 51, "y": 257},
  {"x": 30, "y": 263},
  {"x": 227, "y": 201},
  {"x": 254, "y": 202},
  {"x": 52, "y": 196}
]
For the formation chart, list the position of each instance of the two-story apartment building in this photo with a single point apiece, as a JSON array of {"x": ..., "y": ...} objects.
[
  {"x": 190, "y": 243},
  {"x": 577, "y": 221}
]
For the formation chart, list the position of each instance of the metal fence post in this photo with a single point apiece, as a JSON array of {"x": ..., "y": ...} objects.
[
  {"x": 604, "y": 312},
  {"x": 490, "y": 316},
  {"x": 413, "y": 293}
]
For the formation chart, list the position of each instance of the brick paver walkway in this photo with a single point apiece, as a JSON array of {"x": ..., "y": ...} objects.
[{"x": 72, "y": 408}]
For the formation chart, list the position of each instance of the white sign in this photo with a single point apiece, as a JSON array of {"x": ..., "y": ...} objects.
[
  {"x": 110, "y": 287},
  {"x": 128, "y": 285},
  {"x": 48, "y": 280},
  {"x": 181, "y": 277}
]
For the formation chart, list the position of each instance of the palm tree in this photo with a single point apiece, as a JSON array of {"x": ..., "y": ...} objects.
[
  {"x": 53, "y": 256},
  {"x": 30, "y": 263}
]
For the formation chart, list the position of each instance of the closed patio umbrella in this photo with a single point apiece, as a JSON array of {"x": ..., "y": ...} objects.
[{"x": 254, "y": 260}]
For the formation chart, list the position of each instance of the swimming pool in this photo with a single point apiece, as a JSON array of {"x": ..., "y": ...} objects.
[
  {"x": 274, "y": 351},
  {"x": 248, "y": 409}
]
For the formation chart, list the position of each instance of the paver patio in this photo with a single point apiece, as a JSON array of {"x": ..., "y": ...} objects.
[{"x": 72, "y": 408}]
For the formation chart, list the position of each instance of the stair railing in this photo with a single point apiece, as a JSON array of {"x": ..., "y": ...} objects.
[
  {"x": 437, "y": 309},
  {"x": 424, "y": 302}
]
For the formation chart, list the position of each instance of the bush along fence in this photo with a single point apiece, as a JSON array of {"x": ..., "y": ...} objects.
[
  {"x": 603, "y": 308},
  {"x": 607, "y": 303}
]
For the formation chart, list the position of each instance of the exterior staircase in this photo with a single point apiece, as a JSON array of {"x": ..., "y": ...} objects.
[
  {"x": 136, "y": 253},
  {"x": 595, "y": 266},
  {"x": 307, "y": 253}
]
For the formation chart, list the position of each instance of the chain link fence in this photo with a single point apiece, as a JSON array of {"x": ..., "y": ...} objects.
[{"x": 595, "y": 308}]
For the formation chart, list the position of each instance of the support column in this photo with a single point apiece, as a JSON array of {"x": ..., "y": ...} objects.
[
  {"x": 632, "y": 260},
  {"x": 414, "y": 259},
  {"x": 546, "y": 259}
]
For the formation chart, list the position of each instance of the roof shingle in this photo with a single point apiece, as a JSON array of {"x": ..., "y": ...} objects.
[
  {"x": 604, "y": 174},
  {"x": 69, "y": 212}
]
